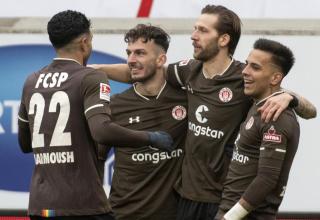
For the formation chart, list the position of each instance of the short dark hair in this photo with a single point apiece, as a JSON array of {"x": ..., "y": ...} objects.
[
  {"x": 148, "y": 32},
  {"x": 228, "y": 23},
  {"x": 282, "y": 56},
  {"x": 66, "y": 26}
]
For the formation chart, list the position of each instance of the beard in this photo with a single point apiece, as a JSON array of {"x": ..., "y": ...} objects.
[{"x": 209, "y": 52}]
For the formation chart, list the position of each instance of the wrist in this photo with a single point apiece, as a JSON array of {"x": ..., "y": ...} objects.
[
  {"x": 294, "y": 102},
  {"x": 236, "y": 212}
]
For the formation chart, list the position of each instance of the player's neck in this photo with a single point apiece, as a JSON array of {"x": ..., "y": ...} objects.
[
  {"x": 152, "y": 86},
  {"x": 74, "y": 56},
  {"x": 217, "y": 65},
  {"x": 272, "y": 91}
]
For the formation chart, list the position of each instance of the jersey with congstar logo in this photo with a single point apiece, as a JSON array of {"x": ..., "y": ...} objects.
[
  {"x": 143, "y": 179},
  {"x": 261, "y": 163},
  {"x": 216, "y": 107}
]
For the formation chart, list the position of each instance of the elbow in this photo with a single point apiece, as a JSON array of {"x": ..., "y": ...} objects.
[
  {"x": 98, "y": 136},
  {"x": 26, "y": 150},
  {"x": 101, "y": 133},
  {"x": 314, "y": 113},
  {"x": 270, "y": 178}
]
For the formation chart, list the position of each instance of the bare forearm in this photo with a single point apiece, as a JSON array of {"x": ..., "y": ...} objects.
[
  {"x": 117, "y": 72},
  {"x": 305, "y": 108}
]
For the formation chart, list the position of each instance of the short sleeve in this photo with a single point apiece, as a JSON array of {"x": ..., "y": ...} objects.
[
  {"x": 23, "y": 112},
  {"x": 96, "y": 94},
  {"x": 177, "y": 73},
  {"x": 275, "y": 140}
]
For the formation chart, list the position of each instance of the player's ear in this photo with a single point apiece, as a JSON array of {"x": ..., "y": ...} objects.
[
  {"x": 161, "y": 60},
  {"x": 276, "y": 78},
  {"x": 224, "y": 40},
  {"x": 86, "y": 42}
]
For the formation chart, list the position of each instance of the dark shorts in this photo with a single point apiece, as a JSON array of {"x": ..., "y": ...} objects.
[
  {"x": 191, "y": 210},
  {"x": 88, "y": 217}
]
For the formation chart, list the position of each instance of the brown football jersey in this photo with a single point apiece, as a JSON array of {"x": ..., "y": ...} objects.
[
  {"x": 261, "y": 163},
  {"x": 143, "y": 178},
  {"x": 216, "y": 107},
  {"x": 56, "y": 102}
]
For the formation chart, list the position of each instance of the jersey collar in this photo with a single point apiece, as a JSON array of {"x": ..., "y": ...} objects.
[
  {"x": 146, "y": 98},
  {"x": 68, "y": 59}
]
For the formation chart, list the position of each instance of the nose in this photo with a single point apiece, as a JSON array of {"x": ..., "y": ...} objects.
[
  {"x": 194, "y": 35},
  {"x": 131, "y": 58},
  {"x": 245, "y": 71}
]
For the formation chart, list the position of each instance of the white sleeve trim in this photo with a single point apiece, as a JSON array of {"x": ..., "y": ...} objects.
[
  {"x": 92, "y": 107},
  {"x": 21, "y": 119},
  {"x": 280, "y": 150},
  {"x": 177, "y": 75}
]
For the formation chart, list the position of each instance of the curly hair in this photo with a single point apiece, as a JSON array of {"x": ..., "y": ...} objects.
[
  {"x": 66, "y": 26},
  {"x": 148, "y": 32}
]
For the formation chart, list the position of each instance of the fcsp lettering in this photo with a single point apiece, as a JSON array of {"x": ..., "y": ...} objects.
[{"x": 50, "y": 80}]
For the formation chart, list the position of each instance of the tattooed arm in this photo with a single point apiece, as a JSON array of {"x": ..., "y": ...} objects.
[{"x": 275, "y": 105}]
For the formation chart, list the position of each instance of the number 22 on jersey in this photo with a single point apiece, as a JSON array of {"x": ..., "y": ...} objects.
[{"x": 37, "y": 107}]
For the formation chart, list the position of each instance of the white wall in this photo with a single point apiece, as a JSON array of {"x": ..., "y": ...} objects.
[{"x": 162, "y": 8}]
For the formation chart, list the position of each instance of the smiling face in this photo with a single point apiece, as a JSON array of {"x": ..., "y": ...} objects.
[
  {"x": 143, "y": 59},
  {"x": 205, "y": 37},
  {"x": 261, "y": 76}
]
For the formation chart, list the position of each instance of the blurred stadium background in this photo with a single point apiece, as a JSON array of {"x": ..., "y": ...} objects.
[{"x": 24, "y": 47}]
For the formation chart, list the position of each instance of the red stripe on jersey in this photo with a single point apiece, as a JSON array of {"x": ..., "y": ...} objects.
[{"x": 145, "y": 8}]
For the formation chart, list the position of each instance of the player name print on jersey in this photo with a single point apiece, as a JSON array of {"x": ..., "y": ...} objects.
[
  {"x": 50, "y": 80},
  {"x": 54, "y": 157}
]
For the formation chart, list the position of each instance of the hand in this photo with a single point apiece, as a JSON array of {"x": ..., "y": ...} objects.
[
  {"x": 274, "y": 106},
  {"x": 161, "y": 140}
]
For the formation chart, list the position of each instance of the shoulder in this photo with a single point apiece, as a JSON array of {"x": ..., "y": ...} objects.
[
  {"x": 187, "y": 64},
  {"x": 126, "y": 94},
  {"x": 90, "y": 75},
  {"x": 286, "y": 123},
  {"x": 179, "y": 73},
  {"x": 237, "y": 66}
]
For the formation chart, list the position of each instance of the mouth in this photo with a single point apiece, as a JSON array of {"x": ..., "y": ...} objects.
[
  {"x": 196, "y": 46},
  {"x": 135, "y": 69},
  {"x": 248, "y": 82}
]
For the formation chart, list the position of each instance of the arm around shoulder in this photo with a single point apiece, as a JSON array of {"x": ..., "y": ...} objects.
[
  {"x": 117, "y": 72},
  {"x": 303, "y": 107}
]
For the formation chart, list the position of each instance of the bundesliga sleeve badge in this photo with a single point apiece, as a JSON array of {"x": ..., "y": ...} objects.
[{"x": 105, "y": 91}]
